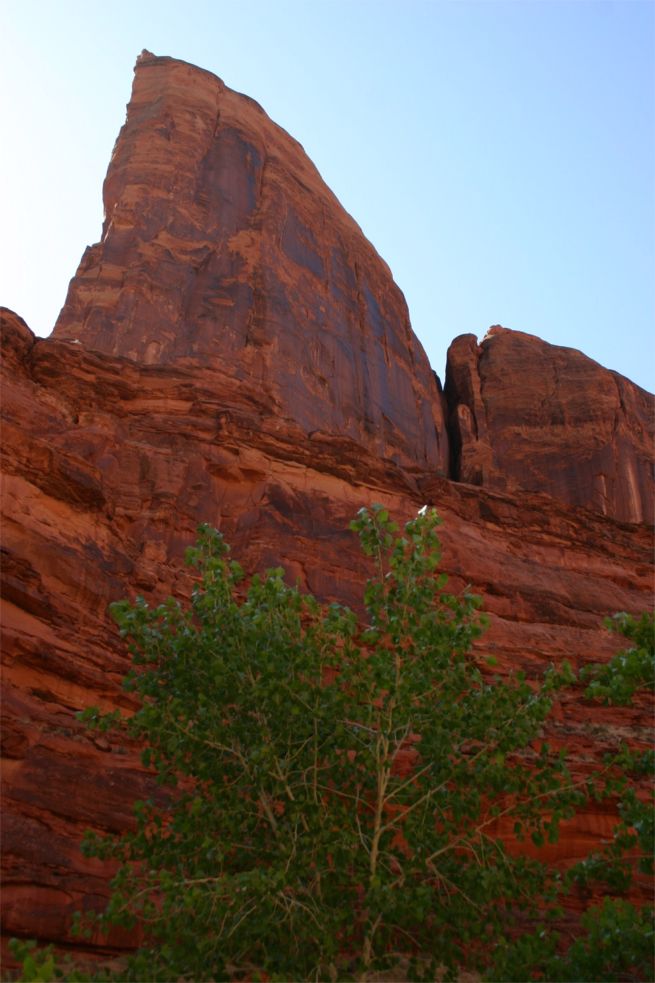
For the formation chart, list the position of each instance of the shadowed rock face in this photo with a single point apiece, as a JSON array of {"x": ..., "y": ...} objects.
[
  {"x": 223, "y": 245},
  {"x": 528, "y": 415},
  {"x": 235, "y": 352}
]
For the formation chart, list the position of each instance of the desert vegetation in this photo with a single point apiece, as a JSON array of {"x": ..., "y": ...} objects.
[{"x": 353, "y": 796}]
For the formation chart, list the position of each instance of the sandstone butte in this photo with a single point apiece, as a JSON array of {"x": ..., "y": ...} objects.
[{"x": 234, "y": 351}]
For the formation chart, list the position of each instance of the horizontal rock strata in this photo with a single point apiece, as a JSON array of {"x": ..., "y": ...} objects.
[
  {"x": 235, "y": 352},
  {"x": 109, "y": 467}
]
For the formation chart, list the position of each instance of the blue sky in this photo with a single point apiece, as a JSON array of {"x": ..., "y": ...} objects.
[{"x": 499, "y": 155}]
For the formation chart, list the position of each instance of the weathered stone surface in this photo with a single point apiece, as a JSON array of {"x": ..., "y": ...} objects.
[
  {"x": 233, "y": 351},
  {"x": 526, "y": 415},
  {"x": 109, "y": 465},
  {"x": 222, "y": 243}
]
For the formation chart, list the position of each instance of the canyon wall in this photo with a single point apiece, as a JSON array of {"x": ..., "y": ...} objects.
[
  {"x": 524, "y": 414},
  {"x": 233, "y": 351}
]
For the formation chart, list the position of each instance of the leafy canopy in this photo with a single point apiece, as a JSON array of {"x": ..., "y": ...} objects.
[{"x": 336, "y": 792}]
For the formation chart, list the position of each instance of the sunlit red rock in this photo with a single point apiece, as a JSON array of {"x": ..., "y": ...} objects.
[
  {"x": 222, "y": 243},
  {"x": 235, "y": 352},
  {"x": 109, "y": 466},
  {"x": 528, "y": 415}
]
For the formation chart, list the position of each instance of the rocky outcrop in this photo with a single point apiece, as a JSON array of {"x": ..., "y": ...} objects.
[
  {"x": 234, "y": 352},
  {"x": 526, "y": 415},
  {"x": 223, "y": 245},
  {"x": 109, "y": 465}
]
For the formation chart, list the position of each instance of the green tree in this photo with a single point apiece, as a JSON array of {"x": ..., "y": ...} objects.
[
  {"x": 334, "y": 789},
  {"x": 615, "y": 939}
]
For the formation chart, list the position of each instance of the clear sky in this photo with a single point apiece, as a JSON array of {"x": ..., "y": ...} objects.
[{"x": 499, "y": 155}]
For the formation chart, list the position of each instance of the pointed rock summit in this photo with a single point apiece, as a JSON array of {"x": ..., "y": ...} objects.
[
  {"x": 224, "y": 254},
  {"x": 223, "y": 245}
]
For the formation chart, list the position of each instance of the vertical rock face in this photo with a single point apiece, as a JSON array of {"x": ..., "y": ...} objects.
[
  {"x": 528, "y": 415},
  {"x": 222, "y": 244},
  {"x": 245, "y": 359}
]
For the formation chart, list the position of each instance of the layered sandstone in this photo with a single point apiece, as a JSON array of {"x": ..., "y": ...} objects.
[
  {"x": 526, "y": 415},
  {"x": 110, "y": 465},
  {"x": 221, "y": 243},
  {"x": 233, "y": 351}
]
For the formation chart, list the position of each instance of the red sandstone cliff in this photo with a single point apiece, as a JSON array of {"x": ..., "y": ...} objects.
[
  {"x": 183, "y": 385},
  {"x": 222, "y": 244},
  {"x": 108, "y": 467},
  {"x": 528, "y": 415}
]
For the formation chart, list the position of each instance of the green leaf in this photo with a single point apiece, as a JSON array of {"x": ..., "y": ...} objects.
[{"x": 335, "y": 792}]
